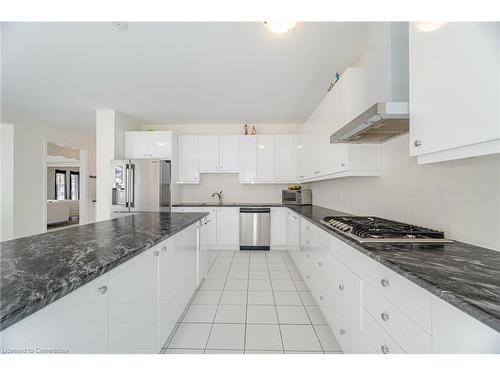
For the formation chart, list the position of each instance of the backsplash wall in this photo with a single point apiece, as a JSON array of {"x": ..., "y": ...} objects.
[{"x": 461, "y": 197}]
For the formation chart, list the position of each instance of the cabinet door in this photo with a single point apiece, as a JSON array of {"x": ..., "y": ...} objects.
[
  {"x": 248, "y": 158},
  {"x": 229, "y": 152},
  {"x": 188, "y": 159},
  {"x": 133, "y": 305},
  {"x": 169, "y": 274},
  {"x": 211, "y": 225},
  {"x": 189, "y": 246},
  {"x": 203, "y": 250},
  {"x": 278, "y": 226},
  {"x": 136, "y": 145},
  {"x": 209, "y": 153},
  {"x": 265, "y": 159},
  {"x": 159, "y": 144},
  {"x": 285, "y": 158},
  {"x": 292, "y": 232},
  {"x": 77, "y": 322},
  {"x": 228, "y": 226},
  {"x": 448, "y": 109}
]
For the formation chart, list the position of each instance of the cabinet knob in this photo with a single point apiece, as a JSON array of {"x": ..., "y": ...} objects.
[
  {"x": 384, "y": 282},
  {"x": 156, "y": 253},
  {"x": 384, "y": 316},
  {"x": 384, "y": 349},
  {"x": 102, "y": 289},
  {"x": 308, "y": 277},
  {"x": 341, "y": 287},
  {"x": 417, "y": 143},
  {"x": 342, "y": 331},
  {"x": 321, "y": 298},
  {"x": 320, "y": 264},
  {"x": 164, "y": 248},
  {"x": 342, "y": 164}
]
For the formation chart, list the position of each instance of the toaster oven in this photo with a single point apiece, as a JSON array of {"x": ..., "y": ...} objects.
[{"x": 296, "y": 197}]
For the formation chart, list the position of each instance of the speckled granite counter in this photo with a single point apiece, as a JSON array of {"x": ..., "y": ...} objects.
[
  {"x": 37, "y": 270},
  {"x": 466, "y": 276},
  {"x": 227, "y": 204}
]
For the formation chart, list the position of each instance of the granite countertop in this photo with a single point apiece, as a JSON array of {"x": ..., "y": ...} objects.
[
  {"x": 227, "y": 204},
  {"x": 37, "y": 270},
  {"x": 466, "y": 276}
]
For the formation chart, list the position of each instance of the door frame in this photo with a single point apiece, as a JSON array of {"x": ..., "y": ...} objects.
[{"x": 84, "y": 178}]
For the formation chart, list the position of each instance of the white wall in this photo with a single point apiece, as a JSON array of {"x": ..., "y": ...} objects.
[
  {"x": 233, "y": 190},
  {"x": 461, "y": 197},
  {"x": 225, "y": 128},
  {"x": 29, "y": 149}
]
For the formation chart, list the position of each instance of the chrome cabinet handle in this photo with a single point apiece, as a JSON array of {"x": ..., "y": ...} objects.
[
  {"x": 342, "y": 331},
  {"x": 320, "y": 264},
  {"x": 102, "y": 289},
  {"x": 164, "y": 248},
  {"x": 321, "y": 298},
  {"x": 342, "y": 164},
  {"x": 384, "y": 282},
  {"x": 341, "y": 287},
  {"x": 156, "y": 253},
  {"x": 384, "y": 349},
  {"x": 417, "y": 143},
  {"x": 384, "y": 316}
]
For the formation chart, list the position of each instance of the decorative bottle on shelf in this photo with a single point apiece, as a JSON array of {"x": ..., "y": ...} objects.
[
  {"x": 254, "y": 131},
  {"x": 246, "y": 129}
]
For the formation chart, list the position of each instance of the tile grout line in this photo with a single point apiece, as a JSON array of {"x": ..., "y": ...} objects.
[
  {"x": 275, "y": 307},
  {"x": 246, "y": 307}
]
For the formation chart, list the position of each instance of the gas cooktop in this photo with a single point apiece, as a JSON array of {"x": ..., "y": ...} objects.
[{"x": 366, "y": 229}]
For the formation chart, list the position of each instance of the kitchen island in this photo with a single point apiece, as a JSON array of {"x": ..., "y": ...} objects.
[{"x": 102, "y": 282}]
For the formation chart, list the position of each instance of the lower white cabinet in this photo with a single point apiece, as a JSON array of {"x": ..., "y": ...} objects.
[
  {"x": 76, "y": 323},
  {"x": 292, "y": 232},
  {"x": 133, "y": 305},
  {"x": 278, "y": 227},
  {"x": 228, "y": 227}
]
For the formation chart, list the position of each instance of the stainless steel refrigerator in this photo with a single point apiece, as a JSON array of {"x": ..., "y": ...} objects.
[{"x": 140, "y": 185}]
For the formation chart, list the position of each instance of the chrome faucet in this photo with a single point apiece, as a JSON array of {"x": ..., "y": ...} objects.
[{"x": 219, "y": 194}]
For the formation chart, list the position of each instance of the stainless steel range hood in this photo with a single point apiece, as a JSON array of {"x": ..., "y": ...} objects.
[{"x": 377, "y": 124}]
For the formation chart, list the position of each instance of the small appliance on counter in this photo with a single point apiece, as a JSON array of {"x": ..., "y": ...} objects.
[
  {"x": 296, "y": 197},
  {"x": 369, "y": 229}
]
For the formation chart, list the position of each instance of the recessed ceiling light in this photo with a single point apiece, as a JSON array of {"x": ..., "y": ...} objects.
[
  {"x": 430, "y": 26},
  {"x": 120, "y": 25},
  {"x": 280, "y": 27}
]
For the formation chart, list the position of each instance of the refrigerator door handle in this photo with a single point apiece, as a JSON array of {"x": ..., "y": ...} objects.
[
  {"x": 131, "y": 185},
  {"x": 126, "y": 185}
]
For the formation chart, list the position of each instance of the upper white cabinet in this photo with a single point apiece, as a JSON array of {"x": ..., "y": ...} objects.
[
  {"x": 454, "y": 91},
  {"x": 148, "y": 145},
  {"x": 284, "y": 164},
  {"x": 266, "y": 158},
  {"x": 187, "y": 159},
  {"x": 248, "y": 159},
  {"x": 218, "y": 153},
  {"x": 319, "y": 159}
]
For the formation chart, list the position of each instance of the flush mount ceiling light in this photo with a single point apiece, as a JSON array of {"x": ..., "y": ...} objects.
[
  {"x": 280, "y": 27},
  {"x": 120, "y": 25},
  {"x": 429, "y": 26}
]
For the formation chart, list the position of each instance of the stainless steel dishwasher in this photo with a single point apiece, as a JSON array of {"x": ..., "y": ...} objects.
[{"x": 255, "y": 228}]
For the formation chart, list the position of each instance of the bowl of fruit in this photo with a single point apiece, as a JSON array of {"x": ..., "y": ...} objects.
[{"x": 294, "y": 187}]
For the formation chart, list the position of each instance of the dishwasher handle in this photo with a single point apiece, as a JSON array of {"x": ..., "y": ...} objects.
[{"x": 252, "y": 210}]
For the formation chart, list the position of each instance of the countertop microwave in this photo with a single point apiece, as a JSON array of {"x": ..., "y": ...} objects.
[{"x": 296, "y": 197}]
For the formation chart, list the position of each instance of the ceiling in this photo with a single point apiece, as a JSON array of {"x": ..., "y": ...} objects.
[{"x": 171, "y": 73}]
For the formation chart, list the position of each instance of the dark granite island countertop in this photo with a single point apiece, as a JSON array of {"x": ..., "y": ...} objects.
[
  {"x": 37, "y": 270},
  {"x": 466, "y": 276}
]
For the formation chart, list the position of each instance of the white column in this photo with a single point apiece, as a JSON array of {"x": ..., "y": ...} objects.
[{"x": 6, "y": 181}]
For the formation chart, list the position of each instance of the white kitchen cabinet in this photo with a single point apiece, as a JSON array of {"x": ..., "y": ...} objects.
[
  {"x": 292, "y": 232},
  {"x": 148, "y": 145},
  {"x": 454, "y": 96},
  {"x": 229, "y": 151},
  {"x": 77, "y": 322},
  {"x": 248, "y": 159},
  {"x": 285, "y": 151},
  {"x": 228, "y": 227},
  {"x": 187, "y": 159},
  {"x": 219, "y": 153},
  {"x": 278, "y": 227},
  {"x": 208, "y": 153},
  {"x": 266, "y": 158},
  {"x": 455, "y": 332},
  {"x": 133, "y": 305},
  {"x": 203, "y": 246},
  {"x": 211, "y": 222}
]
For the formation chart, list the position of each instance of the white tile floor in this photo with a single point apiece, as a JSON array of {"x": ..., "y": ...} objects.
[{"x": 253, "y": 302}]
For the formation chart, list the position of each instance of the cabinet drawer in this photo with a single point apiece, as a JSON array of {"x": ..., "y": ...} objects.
[
  {"x": 407, "y": 296},
  {"x": 380, "y": 340},
  {"x": 351, "y": 339},
  {"x": 351, "y": 257},
  {"x": 411, "y": 337},
  {"x": 336, "y": 314}
]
